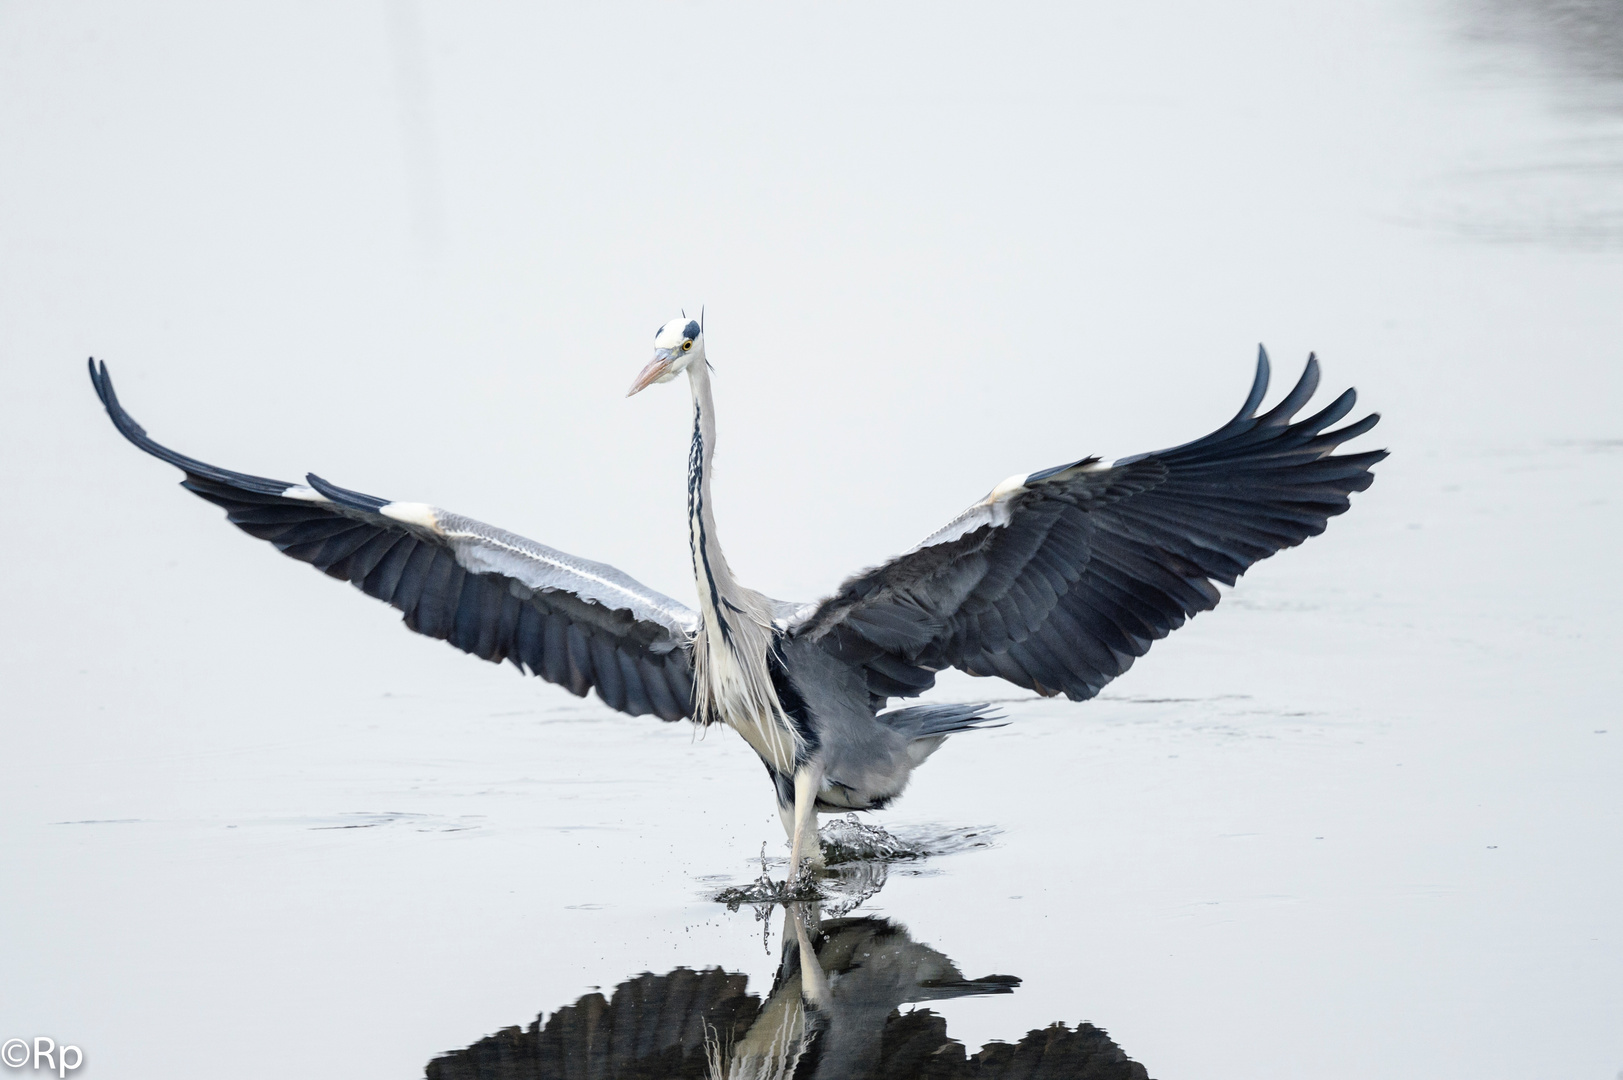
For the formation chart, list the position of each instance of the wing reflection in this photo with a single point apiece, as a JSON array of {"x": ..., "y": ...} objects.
[{"x": 834, "y": 1012}]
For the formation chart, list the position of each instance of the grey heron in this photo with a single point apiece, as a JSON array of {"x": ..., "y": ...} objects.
[{"x": 1056, "y": 581}]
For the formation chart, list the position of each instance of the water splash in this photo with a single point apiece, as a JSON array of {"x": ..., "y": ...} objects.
[
  {"x": 763, "y": 893},
  {"x": 858, "y": 858},
  {"x": 849, "y": 839}
]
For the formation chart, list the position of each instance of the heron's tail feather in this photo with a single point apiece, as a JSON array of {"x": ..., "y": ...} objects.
[{"x": 929, "y": 721}]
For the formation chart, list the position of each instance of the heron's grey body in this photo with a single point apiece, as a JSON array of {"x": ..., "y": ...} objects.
[{"x": 1056, "y": 581}]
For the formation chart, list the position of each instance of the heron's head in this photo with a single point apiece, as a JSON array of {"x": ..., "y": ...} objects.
[{"x": 678, "y": 344}]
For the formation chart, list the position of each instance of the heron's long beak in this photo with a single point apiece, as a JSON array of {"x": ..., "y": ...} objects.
[{"x": 658, "y": 370}]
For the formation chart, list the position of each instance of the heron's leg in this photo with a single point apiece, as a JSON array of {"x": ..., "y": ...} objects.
[
  {"x": 786, "y": 814},
  {"x": 814, "y": 986},
  {"x": 808, "y": 781}
]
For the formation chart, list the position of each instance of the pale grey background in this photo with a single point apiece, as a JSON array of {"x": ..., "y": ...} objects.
[{"x": 422, "y": 251}]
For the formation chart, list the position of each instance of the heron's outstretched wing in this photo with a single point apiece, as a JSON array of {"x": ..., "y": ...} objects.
[
  {"x": 488, "y": 592},
  {"x": 1058, "y": 580}
]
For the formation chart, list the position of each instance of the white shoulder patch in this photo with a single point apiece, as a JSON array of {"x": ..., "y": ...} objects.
[
  {"x": 304, "y": 494},
  {"x": 994, "y": 510},
  {"x": 1012, "y": 486},
  {"x": 420, "y": 514}
]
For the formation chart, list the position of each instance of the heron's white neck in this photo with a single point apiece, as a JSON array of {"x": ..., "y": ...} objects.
[{"x": 732, "y": 677}]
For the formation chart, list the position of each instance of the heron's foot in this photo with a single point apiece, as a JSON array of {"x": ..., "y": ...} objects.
[
  {"x": 801, "y": 888},
  {"x": 795, "y": 888},
  {"x": 810, "y": 870},
  {"x": 813, "y": 863}
]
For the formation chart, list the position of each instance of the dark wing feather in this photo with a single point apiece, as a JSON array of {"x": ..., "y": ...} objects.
[
  {"x": 495, "y": 595},
  {"x": 1059, "y": 580}
]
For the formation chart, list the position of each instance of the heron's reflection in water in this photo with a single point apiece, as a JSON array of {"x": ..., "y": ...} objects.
[{"x": 834, "y": 1012}]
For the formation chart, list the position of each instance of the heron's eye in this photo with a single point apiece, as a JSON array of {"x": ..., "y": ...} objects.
[{"x": 686, "y": 345}]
